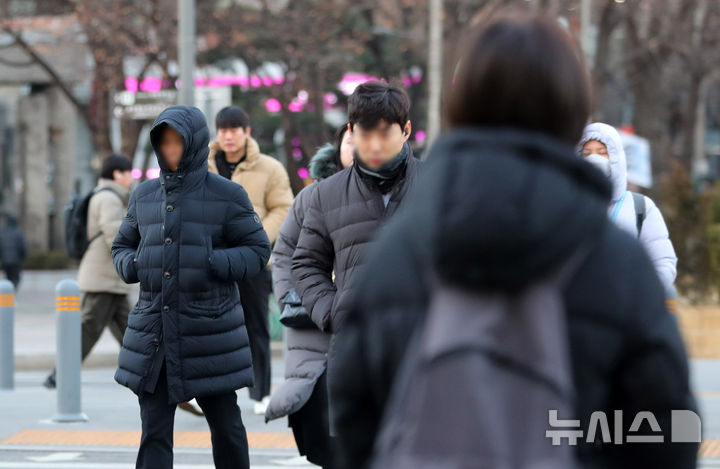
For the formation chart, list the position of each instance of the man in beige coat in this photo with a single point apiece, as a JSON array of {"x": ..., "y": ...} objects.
[
  {"x": 235, "y": 155},
  {"x": 105, "y": 300}
]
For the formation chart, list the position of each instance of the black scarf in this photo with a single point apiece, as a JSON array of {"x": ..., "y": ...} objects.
[
  {"x": 225, "y": 168},
  {"x": 386, "y": 176}
]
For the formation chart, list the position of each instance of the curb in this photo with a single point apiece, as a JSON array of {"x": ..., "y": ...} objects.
[{"x": 46, "y": 362}]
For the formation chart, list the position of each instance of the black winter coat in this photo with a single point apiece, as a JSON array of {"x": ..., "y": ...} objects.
[
  {"x": 187, "y": 238},
  {"x": 342, "y": 218},
  {"x": 499, "y": 210},
  {"x": 13, "y": 248}
]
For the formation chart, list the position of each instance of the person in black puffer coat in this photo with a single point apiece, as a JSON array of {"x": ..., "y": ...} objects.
[
  {"x": 13, "y": 250},
  {"x": 188, "y": 238},
  {"x": 504, "y": 203},
  {"x": 303, "y": 396}
]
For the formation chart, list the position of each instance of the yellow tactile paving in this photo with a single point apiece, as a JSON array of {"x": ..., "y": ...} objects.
[
  {"x": 132, "y": 438},
  {"x": 700, "y": 326},
  {"x": 710, "y": 449}
]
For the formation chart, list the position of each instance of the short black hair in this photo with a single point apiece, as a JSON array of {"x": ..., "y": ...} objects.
[
  {"x": 115, "y": 163},
  {"x": 231, "y": 117},
  {"x": 521, "y": 72},
  {"x": 375, "y": 101}
]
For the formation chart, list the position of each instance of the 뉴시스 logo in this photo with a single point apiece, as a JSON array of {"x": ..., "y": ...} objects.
[{"x": 686, "y": 427}]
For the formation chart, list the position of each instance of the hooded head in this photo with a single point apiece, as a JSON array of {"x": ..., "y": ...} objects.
[
  {"x": 331, "y": 158},
  {"x": 190, "y": 123},
  {"x": 509, "y": 206},
  {"x": 324, "y": 164},
  {"x": 608, "y": 136}
]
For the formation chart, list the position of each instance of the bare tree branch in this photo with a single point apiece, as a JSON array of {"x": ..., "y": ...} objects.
[{"x": 56, "y": 79}]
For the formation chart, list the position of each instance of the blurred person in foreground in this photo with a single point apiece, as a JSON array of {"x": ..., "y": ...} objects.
[
  {"x": 635, "y": 213},
  {"x": 303, "y": 396},
  {"x": 505, "y": 204}
]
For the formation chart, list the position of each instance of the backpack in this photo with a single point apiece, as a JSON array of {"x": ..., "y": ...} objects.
[
  {"x": 639, "y": 201},
  {"x": 76, "y": 217},
  {"x": 478, "y": 391}
]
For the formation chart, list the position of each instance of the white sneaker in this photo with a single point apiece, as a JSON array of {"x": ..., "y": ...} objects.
[
  {"x": 191, "y": 407},
  {"x": 261, "y": 407}
]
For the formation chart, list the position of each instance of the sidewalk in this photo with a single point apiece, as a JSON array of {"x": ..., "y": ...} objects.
[
  {"x": 35, "y": 325},
  {"x": 29, "y": 439},
  {"x": 109, "y": 439}
]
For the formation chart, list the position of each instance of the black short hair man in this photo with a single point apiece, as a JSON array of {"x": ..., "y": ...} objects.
[
  {"x": 235, "y": 155},
  {"x": 346, "y": 210}
]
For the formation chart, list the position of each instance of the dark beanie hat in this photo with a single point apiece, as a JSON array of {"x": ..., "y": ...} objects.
[{"x": 113, "y": 163}]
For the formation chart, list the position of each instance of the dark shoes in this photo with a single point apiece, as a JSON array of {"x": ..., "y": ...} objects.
[{"x": 50, "y": 382}]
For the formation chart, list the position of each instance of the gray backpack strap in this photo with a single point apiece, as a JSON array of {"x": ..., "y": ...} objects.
[{"x": 639, "y": 201}]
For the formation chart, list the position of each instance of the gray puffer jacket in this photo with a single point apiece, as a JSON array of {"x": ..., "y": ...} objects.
[
  {"x": 306, "y": 358},
  {"x": 343, "y": 215}
]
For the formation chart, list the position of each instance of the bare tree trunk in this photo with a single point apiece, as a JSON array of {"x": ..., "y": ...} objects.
[
  {"x": 290, "y": 132},
  {"x": 130, "y": 136},
  {"x": 100, "y": 118},
  {"x": 318, "y": 96},
  {"x": 601, "y": 77},
  {"x": 696, "y": 150},
  {"x": 648, "y": 120}
]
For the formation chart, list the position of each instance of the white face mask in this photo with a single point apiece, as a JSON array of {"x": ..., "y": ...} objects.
[{"x": 600, "y": 162}]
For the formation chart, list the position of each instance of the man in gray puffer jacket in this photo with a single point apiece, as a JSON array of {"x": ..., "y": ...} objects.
[
  {"x": 346, "y": 210},
  {"x": 303, "y": 395}
]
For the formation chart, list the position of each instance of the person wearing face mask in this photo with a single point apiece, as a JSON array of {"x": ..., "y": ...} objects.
[{"x": 635, "y": 213}]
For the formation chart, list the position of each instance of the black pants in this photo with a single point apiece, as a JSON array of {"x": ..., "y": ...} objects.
[
  {"x": 311, "y": 429},
  {"x": 229, "y": 440},
  {"x": 254, "y": 296}
]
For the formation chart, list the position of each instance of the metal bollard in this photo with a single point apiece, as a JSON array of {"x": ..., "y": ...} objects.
[
  {"x": 69, "y": 353},
  {"x": 7, "y": 328},
  {"x": 671, "y": 300}
]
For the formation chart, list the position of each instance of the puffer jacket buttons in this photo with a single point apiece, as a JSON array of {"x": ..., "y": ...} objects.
[
  {"x": 170, "y": 208},
  {"x": 167, "y": 275}
]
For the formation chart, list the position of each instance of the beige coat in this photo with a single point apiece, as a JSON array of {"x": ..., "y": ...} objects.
[
  {"x": 266, "y": 182},
  {"x": 105, "y": 214}
]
